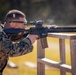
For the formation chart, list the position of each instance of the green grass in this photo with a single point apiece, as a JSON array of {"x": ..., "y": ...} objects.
[{"x": 52, "y": 52}]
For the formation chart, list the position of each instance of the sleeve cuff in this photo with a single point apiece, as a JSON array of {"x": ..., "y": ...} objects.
[{"x": 28, "y": 41}]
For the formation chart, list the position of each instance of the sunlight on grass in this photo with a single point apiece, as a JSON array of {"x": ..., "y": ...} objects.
[{"x": 52, "y": 52}]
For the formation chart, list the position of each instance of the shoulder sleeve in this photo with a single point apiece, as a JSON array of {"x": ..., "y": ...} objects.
[
  {"x": 23, "y": 47},
  {"x": 2, "y": 35}
]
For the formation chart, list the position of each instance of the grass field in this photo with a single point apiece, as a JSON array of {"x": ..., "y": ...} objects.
[{"x": 52, "y": 52}]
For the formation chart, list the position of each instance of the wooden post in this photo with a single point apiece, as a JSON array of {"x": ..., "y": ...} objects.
[
  {"x": 40, "y": 54},
  {"x": 73, "y": 55},
  {"x": 62, "y": 55}
]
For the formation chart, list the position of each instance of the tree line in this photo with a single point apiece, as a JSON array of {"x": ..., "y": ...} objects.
[{"x": 51, "y": 11}]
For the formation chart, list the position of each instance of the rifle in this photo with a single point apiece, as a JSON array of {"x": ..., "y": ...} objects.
[{"x": 41, "y": 31}]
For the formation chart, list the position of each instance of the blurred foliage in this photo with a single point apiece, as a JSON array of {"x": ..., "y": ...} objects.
[{"x": 51, "y": 11}]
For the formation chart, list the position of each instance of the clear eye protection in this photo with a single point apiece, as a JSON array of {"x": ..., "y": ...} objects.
[{"x": 23, "y": 22}]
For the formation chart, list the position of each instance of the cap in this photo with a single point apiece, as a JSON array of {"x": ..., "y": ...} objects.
[{"x": 15, "y": 13}]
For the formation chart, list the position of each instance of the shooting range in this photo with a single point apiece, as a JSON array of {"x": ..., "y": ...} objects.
[{"x": 57, "y": 54}]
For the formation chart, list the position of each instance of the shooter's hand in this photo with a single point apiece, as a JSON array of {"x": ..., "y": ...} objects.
[{"x": 33, "y": 38}]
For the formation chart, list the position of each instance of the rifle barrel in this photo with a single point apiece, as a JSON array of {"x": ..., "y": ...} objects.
[{"x": 61, "y": 29}]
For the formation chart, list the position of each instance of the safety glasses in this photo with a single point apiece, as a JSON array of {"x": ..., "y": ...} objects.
[{"x": 18, "y": 22}]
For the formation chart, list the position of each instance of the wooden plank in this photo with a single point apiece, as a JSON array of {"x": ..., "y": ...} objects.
[
  {"x": 62, "y": 35},
  {"x": 55, "y": 64},
  {"x": 62, "y": 55},
  {"x": 73, "y": 55},
  {"x": 40, "y": 54}
]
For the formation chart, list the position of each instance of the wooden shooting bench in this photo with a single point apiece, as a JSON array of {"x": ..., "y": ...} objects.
[{"x": 41, "y": 60}]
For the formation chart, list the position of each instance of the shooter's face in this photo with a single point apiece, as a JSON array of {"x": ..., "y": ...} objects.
[{"x": 20, "y": 23}]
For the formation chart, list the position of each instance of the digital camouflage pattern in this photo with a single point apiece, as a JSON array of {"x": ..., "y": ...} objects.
[{"x": 8, "y": 48}]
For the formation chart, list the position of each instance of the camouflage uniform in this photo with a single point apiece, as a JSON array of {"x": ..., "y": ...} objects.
[{"x": 7, "y": 48}]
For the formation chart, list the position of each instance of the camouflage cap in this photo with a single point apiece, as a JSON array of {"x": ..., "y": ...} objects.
[{"x": 14, "y": 15}]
